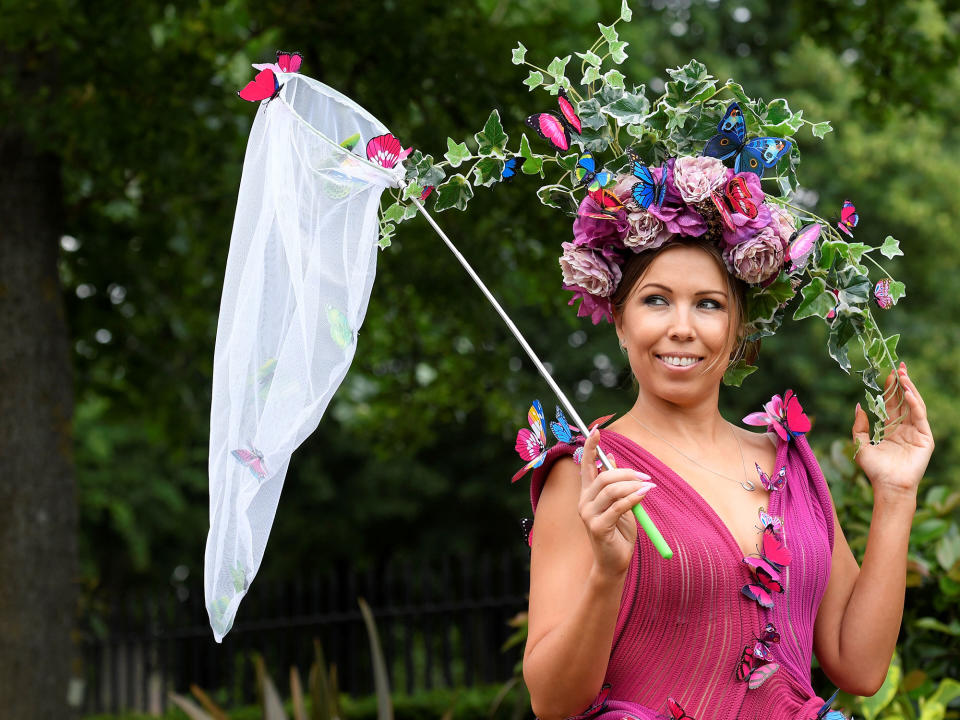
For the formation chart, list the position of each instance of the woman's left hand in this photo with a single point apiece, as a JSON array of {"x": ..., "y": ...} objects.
[{"x": 897, "y": 463}]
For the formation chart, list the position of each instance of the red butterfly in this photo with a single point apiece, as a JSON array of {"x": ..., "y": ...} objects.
[
  {"x": 737, "y": 198},
  {"x": 266, "y": 86},
  {"x": 556, "y": 129},
  {"x": 848, "y": 218},
  {"x": 766, "y": 568},
  {"x": 676, "y": 712},
  {"x": 753, "y": 670}
]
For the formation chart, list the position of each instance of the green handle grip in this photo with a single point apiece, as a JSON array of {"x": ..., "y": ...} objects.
[{"x": 651, "y": 530}]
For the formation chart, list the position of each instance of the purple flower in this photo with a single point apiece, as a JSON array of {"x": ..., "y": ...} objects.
[
  {"x": 596, "y": 308},
  {"x": 595, "y": 271},
  {"x": 597, "y": 228},
  {"x": 675, "y": 214},
  {"x": 646, "y": 231},
  {"x": 745, "y": 227},
  {"x": 757, "y": 259},
  {"x": 696, "y": 177}
]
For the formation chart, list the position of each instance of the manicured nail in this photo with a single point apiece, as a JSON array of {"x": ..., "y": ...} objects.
[
  {"x": 858, "y": 408},
  {"x": 641, "y": 475},
  {"x": 645, "y": 488}
]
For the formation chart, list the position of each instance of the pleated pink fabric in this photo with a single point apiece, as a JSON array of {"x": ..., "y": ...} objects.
[{"x": 683, "y": 622}]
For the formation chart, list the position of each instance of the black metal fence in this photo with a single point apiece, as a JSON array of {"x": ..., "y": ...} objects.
[{"x": 442, "y": 623}]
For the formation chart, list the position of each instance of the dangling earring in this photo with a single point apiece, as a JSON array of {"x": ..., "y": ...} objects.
[{"x": 623, "y": 346}]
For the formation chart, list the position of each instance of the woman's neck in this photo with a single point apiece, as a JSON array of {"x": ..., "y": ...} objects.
[{"x": 699, "y": 422}]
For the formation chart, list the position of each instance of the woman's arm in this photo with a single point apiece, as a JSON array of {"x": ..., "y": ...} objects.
[
  {"x": 583, "y": 541},
  {"x": 859, "y": 618}
]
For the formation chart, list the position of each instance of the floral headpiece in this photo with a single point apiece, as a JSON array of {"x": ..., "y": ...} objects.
[{"x": 691, "y": 162}]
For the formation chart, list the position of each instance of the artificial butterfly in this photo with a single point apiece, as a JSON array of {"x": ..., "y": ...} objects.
[
  {"x": 287, "y": 62},
  {"x": 777, "y": 482},
  {"x": 766, "y": 568},
  {"x": 648, "y": 191},
  {"x": 578, "y": 453},
  {"x": 826, "y": 713},
  {"x": 588, "y": 174},
  {"x": 735, "y": 198},
  {"x": 881, "y": 293},
  {"x": 526, "y": 525},
  {"x": 532, "y": 443},
  {"x": 801, "y": 245},
  {"x": 561, "y": 429},
  {"x": 848, "y": 218},
  {"x": 755, "y": 155},
  {"x": 754, "y": 666},
  {"x": 266, "y": 86},
  {"x": 607, "y": 201},
  {"x": 509, "y": 169},
  {"x": 773, "y": 522},
  {"x": 252, "y": 459},
  {"x": 676, "y": 712},
  {"x": 386, "y": 151},
  {"x": 768, "y": 637},
  {"x": 339, "y": 327},
  {"x": 554, "y": 128}
]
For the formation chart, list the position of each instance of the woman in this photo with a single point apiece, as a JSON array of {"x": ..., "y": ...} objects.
[{"x": 707, "y": 634}]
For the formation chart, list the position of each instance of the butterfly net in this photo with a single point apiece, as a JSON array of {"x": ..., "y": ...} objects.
[{"x": 299, "y": 272}]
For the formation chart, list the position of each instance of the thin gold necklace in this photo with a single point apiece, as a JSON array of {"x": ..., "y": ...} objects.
[{"x": 746, "y": 484}]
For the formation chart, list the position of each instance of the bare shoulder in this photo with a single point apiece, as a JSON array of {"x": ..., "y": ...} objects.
[{"x": 760, "y": 444}]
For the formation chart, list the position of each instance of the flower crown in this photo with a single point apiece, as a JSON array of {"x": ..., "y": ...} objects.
[{"x": 671, "y": 181}]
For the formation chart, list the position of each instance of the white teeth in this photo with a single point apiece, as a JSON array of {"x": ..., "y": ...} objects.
[{"x": 679, "y": 361}]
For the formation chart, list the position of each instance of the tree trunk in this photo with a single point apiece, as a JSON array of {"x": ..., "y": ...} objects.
[{"x": 38, "y": 506}]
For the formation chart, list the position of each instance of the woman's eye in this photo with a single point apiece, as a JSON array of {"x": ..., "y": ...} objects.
[
  {"x": 654, "y": 300},
  {"x": 712, "y": 304}
]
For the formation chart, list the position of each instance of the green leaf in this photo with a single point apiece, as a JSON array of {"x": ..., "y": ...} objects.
[
  {"x": 614, "y": 78},
  {"x": 591, "y": 75},
  {"x": 590, "y": 117},
  {"x": 781, "y": 289},
  {"x": 837, "y": 348},
  {"x": 626, "y": 14},
  {"x": 568, "y": 162},
  {"x": 519, "y": 53},
  {"x": 557, "y": 196},
  {"x": 609, "y": 32},
  {"x": 487, "y": 172},
  {"x": 591, "y": 58},
  {"x": 532, "y": 166},
  {"x": 897, "y": 290},
  {"x": 386, "y": 233},
  {"x": 737, "y": 372},
  {"x": 871, "y": 707},
  {"x": 632, "y": 108},
  {"x": 890, "y": 248},
  {"x": 828, "y": 253},
  {"x": 392, "y": 213},
  {"x": 947, "y": 691},
  {"x": 492, "y": 139},
  {"x": 692, "y": 75},
  {"x": 534, "y": 79},
  {"x": 737, "y": 91},
  {"x": 525, "y": 151},
  {"x": 413, "y": 189},
  {"x": 455, "y": 192},
  {"x": 854, "y": 251},
  {"x": 816, "y": 300},
  {"x": 456, "y": 153},
  {"x": 820, "y": 129},
  {"x": 618, "y": 51},
  {"x": 948, "y": 548},
  {"x": 557, "y": 66},
  {"x": 779, "y": 120}
]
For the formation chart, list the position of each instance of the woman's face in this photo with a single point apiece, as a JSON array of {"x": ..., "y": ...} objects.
[{"x": 677, "y": 326}]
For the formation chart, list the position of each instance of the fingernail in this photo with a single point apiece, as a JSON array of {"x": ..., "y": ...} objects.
[
  {"x": 858, "y": 408},
  {"x": 641, "y": 475},
  {"x": 645, "y": 488}
]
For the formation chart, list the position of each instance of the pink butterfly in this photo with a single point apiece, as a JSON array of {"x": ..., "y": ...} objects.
[
  {"x": 266, "y": 86},
  {"x": 783, "y": 415},
  {"x": 532, "y": 443},
  {"x": 754, "y": 666},
  {"x": 286, "y": 63},
  {"x": 386, "y": 150},
  {"x": 766, "y": 568},
  {"x": 554, "y": 128},
  {"x": 768, "y": 637},
  {"x": 676, "y": 712},
  {"x": 253, "y": 460},
  {"x": 801, "y": 245},
  {"x": 848, "y": 218},
  {"x": 881, "y": 293},
  {"x": 777, "y": 482},
  {"x": 773, "y": 522}
]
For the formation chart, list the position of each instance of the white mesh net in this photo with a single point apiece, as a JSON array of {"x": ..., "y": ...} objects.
[{"x": 301, "y": 265}]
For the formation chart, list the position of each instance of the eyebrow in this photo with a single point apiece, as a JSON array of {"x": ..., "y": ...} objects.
[{"x": 701, "y": 292}]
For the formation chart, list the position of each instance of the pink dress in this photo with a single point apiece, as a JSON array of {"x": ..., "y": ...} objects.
[{"x": 683, "y": 623}]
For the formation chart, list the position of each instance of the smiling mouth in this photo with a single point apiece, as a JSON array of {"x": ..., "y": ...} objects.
[{"x": 679, "y": 361}]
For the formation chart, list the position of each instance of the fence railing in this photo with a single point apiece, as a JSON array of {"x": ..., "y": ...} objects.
[{"x": 442, "y": 623}]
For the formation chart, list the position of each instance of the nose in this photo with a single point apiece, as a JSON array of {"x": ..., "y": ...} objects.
[{"x": 681, "y": 327}]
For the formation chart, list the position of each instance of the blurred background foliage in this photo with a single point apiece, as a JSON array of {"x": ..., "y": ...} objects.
[{"x": 416, "y": 451}]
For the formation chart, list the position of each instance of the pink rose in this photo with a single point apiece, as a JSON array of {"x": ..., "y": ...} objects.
[
  {"x": 678, "y": 217},
  {"x": 646, "y": 231},
  {"x": 783, "y": 224},
  {"x": 757, "y": 259},
  {"x": 696, "y": 177},
  {"x": 595, "y": 272}
]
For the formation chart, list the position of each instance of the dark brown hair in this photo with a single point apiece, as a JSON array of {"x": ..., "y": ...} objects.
[{"x": 635, "y": 267}]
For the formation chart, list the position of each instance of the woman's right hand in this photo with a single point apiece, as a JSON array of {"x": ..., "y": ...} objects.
[{"x": 606, "y": 500}]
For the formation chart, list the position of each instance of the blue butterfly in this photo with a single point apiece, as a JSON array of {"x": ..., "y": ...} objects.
[
  {"x": 561, "y": 428},
  {"x": 754, "y": 155},
  {"x": 827, "y": 714},
  {"x": 648, "y": 191},
  {"x": 509, "y": 169},
  {"x": 589, "y": 174}
]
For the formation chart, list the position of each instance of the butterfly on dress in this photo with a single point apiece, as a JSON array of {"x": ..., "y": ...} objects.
[
  {"x": 773, "y": 522},
  {"x": 801, "y": 244},
  {"x": 648, "y": 191},
  {"x": 766, "y": 567},
  {"x": 676, "y": 712},
  {"x": 266, "y": 85},
  {"x": 386, "y": 151},
  {"x": 848, "y": 218},
  {"x": 252, "y": 459},
  {"x": 587, "y": 173},
  {"x": 777, "y": 482},
  {"x": 554, "y": 128},
  {"x": 881, "y": 293},
  {"x": 754, "y": 666},
  {"x": 755, "y": 155},
  {"x": 826, "y": 713}
]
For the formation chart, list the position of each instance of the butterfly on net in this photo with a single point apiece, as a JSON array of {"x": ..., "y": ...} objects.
[
  {"x": 755, "y": 155},
  {"x": 826, "y": 713},
  {"x": 848, "y": 218},
  {"x": 554, "y": 128},
  {"x": 386, "y": 151},
  {"x": 766, "y": 568},
  {"x": 775, "y": 482},
  {"x": 647, "y": 190},
  {"x": 772, "y": 522},
  {"x": 754, "y": 666},
  {"x": 676, "y": 712},
  {"x": 881, "y": 293},
  {"x": 266, "y": 85},
  {"x": 252, "y": 459}
]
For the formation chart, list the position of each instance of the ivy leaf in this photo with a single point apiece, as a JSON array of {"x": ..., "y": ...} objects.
[
  {"x": 816, "y": 300},
  {"x": 413, "y": 189},
  {"x": 737, "y": 372},
  {"x": 532, "y": 166},
  {"x": 589, "y": 112},
  {"x": 487, "y": 172},
  {"x": 626, "y": 14},
  {"x": 897, "y": 290},
  {"x": 876, "y": 405},
  {"x": 779, "y": 120},
  {"x": 828, "y": 253},
  {"x": 492, "y": 139},
  {"x": 591, "y": 58},
  {"x": 557, "y": 66},
  {"x": 781, "y": 290},
  {"x": 392, "y": 213},
  {"x": 568, "y": 162},
  {"x": 386, "y": 233},
  {"x": 692, "y": 75},
  {"x": 557, "y": 196},
  {"x": 737, "y": 91},
  {"x": 519, "y": 53},
  {"x": 534, "y": 80},
  {"x": 609, "y": 32},
  {"x": 609, "y": 94},
  {"x": 618, "y": 52},
  {"x": 614, "y": 78},
  {"x": 837, "y": 347},
  {"x": 591, "y": 75},
  {"x": 890, "y": 248},
  {"x": 633, "y": 108},
  {"x": 455, "y": 192},
  {"x": 456, "y": 153},
  {"x": 820, "y": 129},
  {"x": 525, "y": 151}
]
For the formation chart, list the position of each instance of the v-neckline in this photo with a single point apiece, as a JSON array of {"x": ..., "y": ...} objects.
[{"x": 665, "y": 469}]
